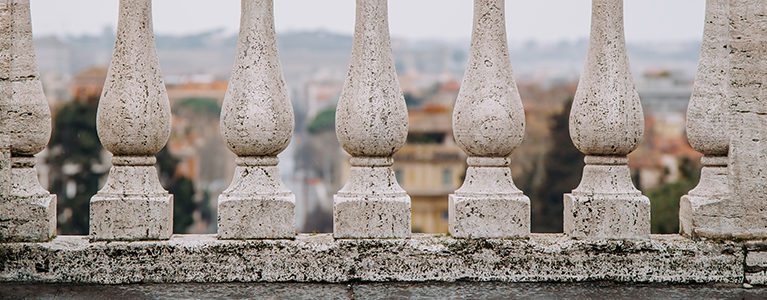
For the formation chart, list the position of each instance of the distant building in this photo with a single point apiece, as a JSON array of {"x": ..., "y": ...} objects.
[
  {"x": 664, "y": 96},
  {"x": 88, "y": 84},
  {"x": 431, "y": 166},
  {"x": 54, "y": 62}
]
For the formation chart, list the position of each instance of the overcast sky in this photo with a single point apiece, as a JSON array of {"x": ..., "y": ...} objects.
[{"x": 542, "y": 20}]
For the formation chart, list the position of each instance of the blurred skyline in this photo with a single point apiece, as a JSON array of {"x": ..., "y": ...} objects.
[{"x": 542, "y": 20}]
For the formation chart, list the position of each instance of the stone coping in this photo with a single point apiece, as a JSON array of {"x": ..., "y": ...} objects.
[{"x": 320, "y": 258}]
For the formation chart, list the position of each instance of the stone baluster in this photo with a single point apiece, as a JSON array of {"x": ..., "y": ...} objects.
[
  {"x": 257, "y": 123},
  {"x": 133, "y": 123},
  {"x": 747, "y": 91},
  {"x": 488, "y": 124},
  {"x": 606, "y": 124},
  {"x": 704, "y": 210},
  {"x": 28, "y": 211},
  {"x": 371, "y": 125}
]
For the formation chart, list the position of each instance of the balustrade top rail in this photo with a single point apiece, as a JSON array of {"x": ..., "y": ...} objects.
[{"x": 726, "y": 122}]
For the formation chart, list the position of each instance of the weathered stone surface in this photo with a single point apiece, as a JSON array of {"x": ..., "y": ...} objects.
[
  {"x": 132, "y": 205},
  {"x": 371, "y": 204},
  {"x": 371, "y": 125},
  {"x": 488, "y": 124},
  {"x": 133, "y": 122},
  {"x": 756, "y": 262},
  {"x": 488, "y": 205},
  {"x": 5, "y": 161},
  {"x": 256, "y": 204},
  {"x": 706, "y": 211},
  {"x": 606, "y": 124},
  {"x": 27, "y": 211},
  {"x": 747, "y": 72},
  {"x": 256, "y": 123},
  {"x": 320, "y": 258}
]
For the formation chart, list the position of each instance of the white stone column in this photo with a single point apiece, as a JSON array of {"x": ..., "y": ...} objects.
[
  {"x": 488, "y": 124},
  {"x": 747, "y": 90},
  {"x": 706, "y": 210},
  {"x": 257, "y": 123},
  {"x": 371, "y": 125},
  {"x": 606, "y": 124},
  {"x": 28, "y": 212},
  {"x": 133, "y": 122}
]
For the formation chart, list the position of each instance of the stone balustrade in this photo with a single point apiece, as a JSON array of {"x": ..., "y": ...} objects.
[{"x": 723, "y": 221}]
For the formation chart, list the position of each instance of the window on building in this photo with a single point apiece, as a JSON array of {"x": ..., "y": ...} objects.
[{"x": 447, "y": 177}]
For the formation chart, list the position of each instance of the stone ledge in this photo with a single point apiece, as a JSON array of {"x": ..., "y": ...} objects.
[{"x": 320, "y": 258}]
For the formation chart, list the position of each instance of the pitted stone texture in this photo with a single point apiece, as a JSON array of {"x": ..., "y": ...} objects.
[
  {"x": 371, "y": 125},
  {"x": 5, "y": 162},
  {"x": 707, "y": 211},
  {"x": 488, "y": 204},
  {"x": 708, "y": 110},
  {"x": 606, "y": 205},
  {"x": 122, "y": 218},
  {"x": 756, "y": 263},
  {"x": 748, "y": 151},
  {"x": 598, "y": 217},
  {"x": 379, "y": 212},
  {"x": 371, "y": 118},
  {"x": 256, "y": 116},
  {"x": 488, "y": 119},
  {"x": 606, "y": 124},
  {"x": 374, "y": 217},
  {"x": 27, "y": 117},
  {"x": 27, "y": 211},
  {"x": 320, "y": 258},
  {"x": 256, "y": 217},
  {"x": 488, "y": 124},
  {"x": 256, "y": 123},
  {"x": 256, "y": 205},
  {"x": 606, "y": 117},
  {"x": 133, "y": 116},
  {"x": 132, "y": 205},
  {"x": 486, "y": 217},
  {"x": 133, "y": 122}
]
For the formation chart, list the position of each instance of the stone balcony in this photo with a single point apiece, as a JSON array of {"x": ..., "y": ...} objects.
[{"x": 606, "y": 234}]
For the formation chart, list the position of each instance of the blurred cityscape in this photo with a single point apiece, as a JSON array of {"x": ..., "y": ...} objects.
[{"x": 196, "y": 166}]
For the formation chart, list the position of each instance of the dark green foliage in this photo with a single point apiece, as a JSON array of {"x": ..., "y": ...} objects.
[
  {"x": 324, "y": 121},
  {"x": 664, "y": 199},
  {"x": 563, "y": 166},
  {"x": 182, "y": 188},
  {"x": 201, "y": 106},
  {"x": 75, "y": 144},
  {"x": 183, "y": 204}
]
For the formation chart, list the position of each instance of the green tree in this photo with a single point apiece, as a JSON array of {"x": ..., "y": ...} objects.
[
  {"x": 562, "y": 167},
  {"x": 324, "y": 121},
  {"x": 664, "y": 199},
  {"x": 74, "y": 157},
  {"x": 182, "y": 188}
]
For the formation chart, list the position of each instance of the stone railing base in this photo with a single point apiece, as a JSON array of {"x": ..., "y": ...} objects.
[{"x": 320, "y": 258}]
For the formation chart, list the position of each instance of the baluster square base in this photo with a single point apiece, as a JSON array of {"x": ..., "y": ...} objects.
[
  {"x": 606, "y": 216},
  {"x": 708, "y": 217},
  {"x": 489, "y": 217},
  {"x": 256, "y": 217},
  {"x": 119, "y": 218},
  {"x": 27, "y": 219},
  {"x": 371, "y": 217}
]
